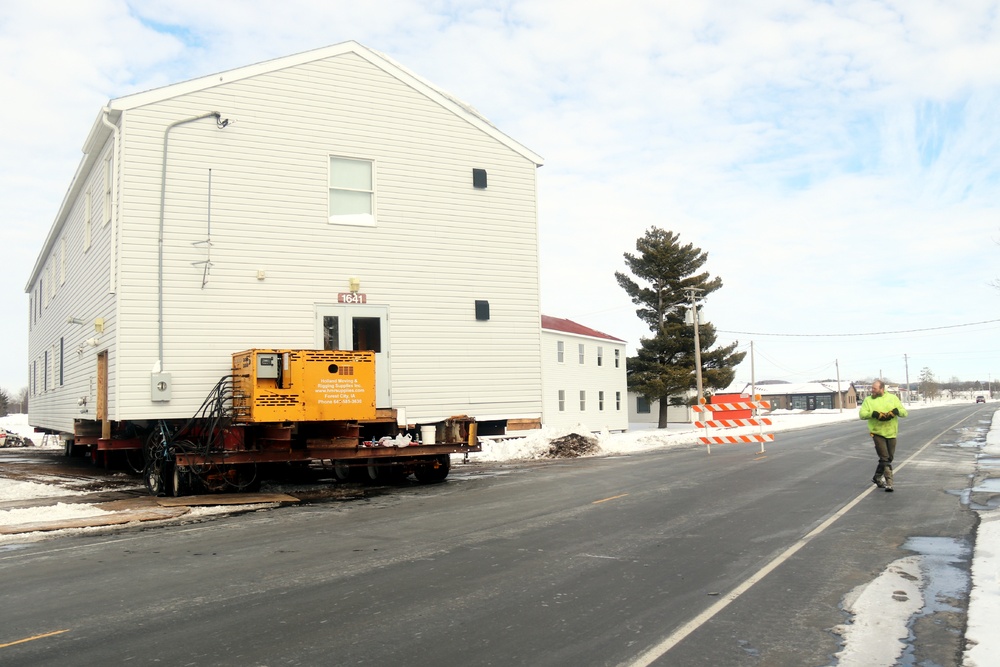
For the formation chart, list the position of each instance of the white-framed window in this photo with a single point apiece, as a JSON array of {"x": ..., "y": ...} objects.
[
  {"x": 583, "y": 400},
  {"x": 62, "y": 361},
  {"x": 642, "y": 405},
  {"x": 560, "y": 351},
  {"x": 618, "y": 355},
  {"x": 600, "y": 401},
  {"x": 45, "y": 372},
  {"x": 582, "y": 348},
  {"x": 109, "y": 186},
  {"x": 352, "y": 191},
  {"x": 618, "y": 401},
  {"x": 600, "y": 356},
  {"x": 88, "y": 220},
  {"x": 562, "y": 400}
]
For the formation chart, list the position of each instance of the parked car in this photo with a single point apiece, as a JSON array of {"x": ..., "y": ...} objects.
[{"x": 980, "y": 399}]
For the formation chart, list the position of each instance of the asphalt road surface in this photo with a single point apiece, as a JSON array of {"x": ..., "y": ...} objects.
[{"x": 676, "y": 557}]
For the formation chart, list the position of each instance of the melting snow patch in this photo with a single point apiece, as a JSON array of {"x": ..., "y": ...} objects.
[
  {"x": 882, "y": 611},
  {"x": 57, "y": 512},
  {"x": 14, "y": 489}
]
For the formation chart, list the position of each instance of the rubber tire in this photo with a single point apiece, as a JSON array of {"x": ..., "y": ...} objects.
[
  {"x": 374, "y": 474},
  {"x": 182, "y": 482},
  {"x": 343, "y": 472},
  {"x": 434, "y": 471}
]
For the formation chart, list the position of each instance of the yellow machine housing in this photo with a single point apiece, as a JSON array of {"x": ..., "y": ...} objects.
[{"x": 303, "y": 385}]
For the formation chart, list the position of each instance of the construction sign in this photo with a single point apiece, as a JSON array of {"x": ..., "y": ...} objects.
[{"x": 724, "y": 415}]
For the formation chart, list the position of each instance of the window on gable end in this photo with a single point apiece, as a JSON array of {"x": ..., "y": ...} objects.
[
  {"x": 352, "y": 191},
  {"x": 600, "y": 356},
  {"x": 581, "y": 353},
  {"x": 560, "y": 351}
]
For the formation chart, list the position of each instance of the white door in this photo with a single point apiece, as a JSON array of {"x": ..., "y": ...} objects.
[{"x": 359, "y": 327}]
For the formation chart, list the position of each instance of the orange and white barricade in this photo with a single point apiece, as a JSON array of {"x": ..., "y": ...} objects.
[{"x": 717, "y": 419}]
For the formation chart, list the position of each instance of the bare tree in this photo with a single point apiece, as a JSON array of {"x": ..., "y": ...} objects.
[
  {"x": 928, "y": 385},
  {"x": 22, "y": 400}
]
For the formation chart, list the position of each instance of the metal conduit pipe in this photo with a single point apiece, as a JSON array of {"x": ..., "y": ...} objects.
[{"x": 163, "y": 195}]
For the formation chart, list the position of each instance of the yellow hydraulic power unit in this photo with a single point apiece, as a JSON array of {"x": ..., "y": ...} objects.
[{"x": 303, "y": 385}]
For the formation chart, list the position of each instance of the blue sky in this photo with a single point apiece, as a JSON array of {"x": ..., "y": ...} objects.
[{"x": 839, "y": 161}]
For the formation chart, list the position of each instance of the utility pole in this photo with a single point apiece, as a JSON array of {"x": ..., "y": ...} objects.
[
  {"x": 753, "y": 381},
  {"x": 692, "y": 293},
  {"x": 906, "y": 362},
  {"x": 840, "y": 395}
]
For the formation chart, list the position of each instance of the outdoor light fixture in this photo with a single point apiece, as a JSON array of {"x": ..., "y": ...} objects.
[
  {"x": 73, "y": 320},
  {"x": 355, "y": 284}
]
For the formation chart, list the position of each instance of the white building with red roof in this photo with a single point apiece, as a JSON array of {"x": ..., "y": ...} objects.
[{"x": 583, "y": 377}]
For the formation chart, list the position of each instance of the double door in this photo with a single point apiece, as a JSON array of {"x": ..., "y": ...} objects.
[{"x": 359, "y": 327}]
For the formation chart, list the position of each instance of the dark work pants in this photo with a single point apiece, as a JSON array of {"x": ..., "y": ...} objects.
[{"x": 886, "y": 450}]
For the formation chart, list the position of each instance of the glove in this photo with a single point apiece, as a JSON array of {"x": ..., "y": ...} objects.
[
  {"x": 895, "y": 411},
  {"x": 885, "y": 416}
]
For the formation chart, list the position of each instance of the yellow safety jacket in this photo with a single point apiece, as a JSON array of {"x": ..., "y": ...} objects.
[{"x": 885, "y": 403}]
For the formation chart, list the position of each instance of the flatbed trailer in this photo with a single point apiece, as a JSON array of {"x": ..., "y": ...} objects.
[{"x": 290, "y": 407}]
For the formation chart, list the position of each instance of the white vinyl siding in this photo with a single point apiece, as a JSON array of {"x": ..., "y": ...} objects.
[
  {"x": 439, "y": 245},
  {"x": 88, "y": 220},
  {"x": 109, "y": 187},
  {"x": 582, "y": 380}
]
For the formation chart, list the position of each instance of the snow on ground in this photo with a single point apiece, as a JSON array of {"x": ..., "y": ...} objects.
[{"x": 867, "y": 603}]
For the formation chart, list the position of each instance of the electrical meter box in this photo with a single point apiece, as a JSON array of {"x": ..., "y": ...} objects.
[{"x": 303, "y": 385}]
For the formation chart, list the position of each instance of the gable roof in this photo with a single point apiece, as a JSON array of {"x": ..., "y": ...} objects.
[
  {"x": 376, "y": 58},
  {"x": 110, "y": 116},
  {"x": 571, "y": 327},
  {"x": 789, "y": 389}
]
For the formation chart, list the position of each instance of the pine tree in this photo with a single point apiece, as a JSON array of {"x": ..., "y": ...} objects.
[{"x": 664, "y": 366}]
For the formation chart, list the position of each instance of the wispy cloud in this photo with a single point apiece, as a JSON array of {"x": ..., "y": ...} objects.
[{"x": 837, "y": 160}]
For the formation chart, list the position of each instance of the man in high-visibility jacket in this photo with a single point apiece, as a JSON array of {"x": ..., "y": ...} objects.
[{"x": 882, "y": 411}]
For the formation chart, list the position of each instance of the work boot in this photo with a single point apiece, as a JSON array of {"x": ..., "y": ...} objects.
[
  {"x": 879, "y": 481},
  {"x": 888, "y": 478},
  {"x": 888, "y": 488}
]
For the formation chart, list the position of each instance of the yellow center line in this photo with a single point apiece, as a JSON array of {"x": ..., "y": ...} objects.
[
  {"x": 31, "y": 639},
  {"x": 607, "y": 499},
  {"x": 760, "y": 458}
]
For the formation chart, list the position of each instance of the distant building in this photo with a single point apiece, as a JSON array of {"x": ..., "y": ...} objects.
[
  {"x": 643, "y": 412},
  {"x": 807, "y": 395},
  {"x": 583, "y": 377}
]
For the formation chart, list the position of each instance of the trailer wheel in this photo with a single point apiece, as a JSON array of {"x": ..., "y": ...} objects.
[
  {"x": 183, "y": 481},
  {"x": 374, "y": 473},
  {"x": 69, "y": 447},
  {"x": 342, "y": 470},
  {"x": 435, "y": 470},
  {"x": 159, "y": 477}
]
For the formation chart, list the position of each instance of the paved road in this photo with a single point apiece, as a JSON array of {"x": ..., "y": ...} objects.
[{"x": 583, "y": 562}]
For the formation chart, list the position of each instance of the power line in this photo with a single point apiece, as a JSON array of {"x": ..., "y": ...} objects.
[{"x": 870, "y": 333}]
